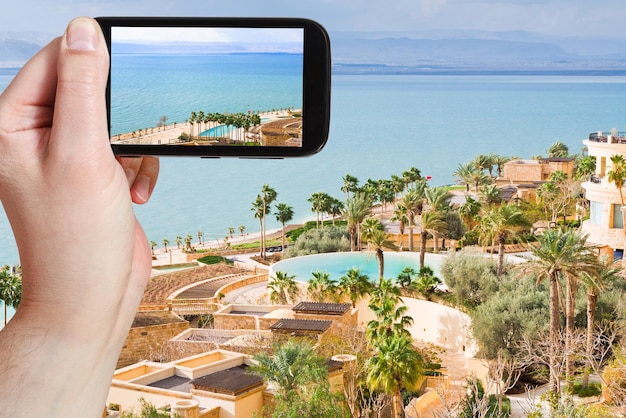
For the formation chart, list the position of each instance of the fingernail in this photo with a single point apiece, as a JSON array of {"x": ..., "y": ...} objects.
[
  {"x": 82, "y": 35},
  {"x": 142, "y": 188}
]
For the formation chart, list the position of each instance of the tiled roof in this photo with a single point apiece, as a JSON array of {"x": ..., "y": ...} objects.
[
  {"x": 322, "y": 308},
  {"x": 233, "y": 381},
  {"x": 299, "y": 325}
]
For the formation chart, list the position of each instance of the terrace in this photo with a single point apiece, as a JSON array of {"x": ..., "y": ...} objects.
[{"x": 612, "y": 137}]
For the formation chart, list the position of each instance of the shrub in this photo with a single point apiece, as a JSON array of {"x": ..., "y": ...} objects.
[
  {"x": 325, "y": 240},
  {"x": 215, "y": 259}
]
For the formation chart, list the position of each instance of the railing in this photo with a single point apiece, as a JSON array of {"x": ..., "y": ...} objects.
[
  {"x": 608, "y": 137},
  {"x": 193, "y": 306}
]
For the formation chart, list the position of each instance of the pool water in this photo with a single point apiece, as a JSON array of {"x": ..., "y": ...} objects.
[{"x": 337, "y": 264}]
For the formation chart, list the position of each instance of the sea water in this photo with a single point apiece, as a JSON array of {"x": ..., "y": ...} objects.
[{"x": 380, "y": 125}]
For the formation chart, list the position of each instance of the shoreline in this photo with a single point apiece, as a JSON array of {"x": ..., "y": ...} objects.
[{"x": 170, "y": 132}]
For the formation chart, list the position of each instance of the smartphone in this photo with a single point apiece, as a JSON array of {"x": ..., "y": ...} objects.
[{"x": 217, "y": 87}]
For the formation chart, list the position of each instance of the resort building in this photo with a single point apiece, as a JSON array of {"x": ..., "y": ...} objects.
[
  {"x": 521, "y": 178},
  {"x": 605, "y": 225}
]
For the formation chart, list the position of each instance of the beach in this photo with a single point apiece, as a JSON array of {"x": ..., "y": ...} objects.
[{"x": 170, "y": 133}]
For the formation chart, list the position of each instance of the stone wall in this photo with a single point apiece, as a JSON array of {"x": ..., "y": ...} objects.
[{"x": 147, "y": 342}]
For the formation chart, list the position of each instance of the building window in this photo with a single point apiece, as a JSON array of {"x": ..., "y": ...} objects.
[
  {"x": 595, "y": 213},
  {"x": 618, "y": 219}
]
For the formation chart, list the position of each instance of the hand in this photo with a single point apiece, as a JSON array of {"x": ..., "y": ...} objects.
[{"x": 85, "y": 259}]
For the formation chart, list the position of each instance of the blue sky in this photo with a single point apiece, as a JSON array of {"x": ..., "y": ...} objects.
[{"x": 598, "y": 18}]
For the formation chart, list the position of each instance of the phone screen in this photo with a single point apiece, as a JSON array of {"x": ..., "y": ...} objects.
[{"x": 211, "y": 90}]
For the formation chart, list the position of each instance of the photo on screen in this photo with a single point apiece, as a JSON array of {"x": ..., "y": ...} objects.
[{"x": 206, "y": 86}]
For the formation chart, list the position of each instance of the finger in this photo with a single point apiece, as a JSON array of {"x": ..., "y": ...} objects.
[
  {"x": 28, "y": 101},
  {"x": 80, "y": 123},
  {"x": 142, "y": 174}
]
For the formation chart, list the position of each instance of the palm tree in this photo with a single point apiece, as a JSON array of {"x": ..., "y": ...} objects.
[
  {"x": 395, "y": 366},
  {"x": 284, "y": 214},
  {"x": 609, "y": 271},
  {"x": 438, "y": 199},
  {"x": 491, "y": 194},
  {"x": 411, "y": 176},
  {"x": 350, "y": 184},
  {"x": 469, "y": 174},
  {"x": 166, "y": 242},
  {"x": 355, "y": 284},
  {"x": 405, "y": 278},
  {"x": 257, "y": 208},
  {"x": 560, "y": 254},
  {"x": 558, "y": 150},
  {"x": 357, "y": 208},
  {"x": 501, "y": 223},
  {"x": 390, "y": 311},
  {"x": 10, "y": 290},
  {"x": 321, "y": 287},
  {"x": 431, "y": 222},
  {"x": 292, "y": 366},
  {"x": 617, "y": 174},
  {"x": 375, "y": 236},
  {"x": 267, "y": 197},
  {"x": 283, "y": 288},
  {"x": 335, "y": 208},
  {"x": 411, "y": 205},
  {"x": 469, "y": 211},
  {"x": 320, "y": 203}
]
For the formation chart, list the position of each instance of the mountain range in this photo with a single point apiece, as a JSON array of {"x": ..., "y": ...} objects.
[{"x": 429, "y": 52}]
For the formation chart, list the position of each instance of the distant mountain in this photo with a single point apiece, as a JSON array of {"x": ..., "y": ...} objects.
[
  {"x": 474, "y": 52},
  {"x": 17, "y": 48},
  {"x": 421, "y": 52}
]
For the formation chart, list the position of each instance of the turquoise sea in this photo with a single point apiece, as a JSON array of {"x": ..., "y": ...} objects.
[{"x": 380, "y": 125}]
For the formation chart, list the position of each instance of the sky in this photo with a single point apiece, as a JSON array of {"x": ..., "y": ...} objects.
[{"x": 586, "y": 18}]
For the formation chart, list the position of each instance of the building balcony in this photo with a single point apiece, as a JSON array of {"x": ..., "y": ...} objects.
[{"x": 609, "y": 138}]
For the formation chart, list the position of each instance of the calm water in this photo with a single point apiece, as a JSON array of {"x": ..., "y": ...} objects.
[
  {"x": 381, "y": 125},
  {"x": 338, "y": 264}
]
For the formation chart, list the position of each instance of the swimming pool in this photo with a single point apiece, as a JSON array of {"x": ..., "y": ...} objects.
[
  {"x": 218, "y": 131},
  {"x": 337, "y": 264}
]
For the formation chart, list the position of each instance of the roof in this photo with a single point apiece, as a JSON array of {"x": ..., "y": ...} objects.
[
  {"x": 300, "y": 325},
  {"x": 150, "y": 318},
  {"x": 322, "y": 308},
  {"x": 233, "y": 381}
]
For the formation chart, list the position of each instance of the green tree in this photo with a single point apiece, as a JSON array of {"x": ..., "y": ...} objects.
[
  {"x": 469, "y": 211},
  {"x": 284, "y": 214},
  {"x": 293, "y": 365},
  {"x": 321, "y": 287},
  {"x": 302, "y": 380},
  {"x": 409, "y": 206},
  {"x": 607, "y": 272},
  {"x": 355, "y": 211},
  {"x": 405, "y": 278},
  {"x": 390, "y": 312},
  {"x": 411, "y": 176},
  {"x": 395, "y": 366},
  {"x": 617, "y": 174},
  {"x": 320, "y": 203},
  {"x": 283, "y": 288},
  {"x": 148, "y": 410},
  {"x": 561, "y": 254},
  {"x": 10, "y": 290},
  {"x": 431, "y": 222},
  {"x": 268, "y": 196},
  {"x": 558, "y": 150},
  {"x": 379, "y": 240},
  {"x": 502, "y": 223},
  {"x": 355, "y": 284},
  {"x": 350, "y": 185}
]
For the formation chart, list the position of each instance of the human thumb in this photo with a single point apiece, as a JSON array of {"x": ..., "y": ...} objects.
[{"x": 80, "y": 118}]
